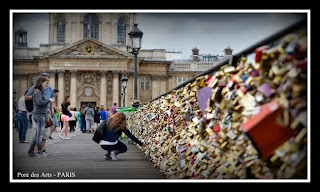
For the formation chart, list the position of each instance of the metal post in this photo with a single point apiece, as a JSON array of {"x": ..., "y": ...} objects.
[
  {"x": 124, "y": 96},
  {"x": 135, "y": 36},
  {"x": 135, "y": 77}
]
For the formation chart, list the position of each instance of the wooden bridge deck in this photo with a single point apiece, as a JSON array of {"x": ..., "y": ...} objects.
[{"x": 79, "y": 159}]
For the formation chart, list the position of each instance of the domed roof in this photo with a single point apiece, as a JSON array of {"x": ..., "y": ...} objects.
[{"x": 195, "y": 49}]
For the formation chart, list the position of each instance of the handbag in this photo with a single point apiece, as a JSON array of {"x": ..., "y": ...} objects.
[
  {"x": 49, "y": 122},
  {"x": 98, "y": 134}
]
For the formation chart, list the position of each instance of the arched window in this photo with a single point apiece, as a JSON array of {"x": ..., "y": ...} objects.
[
  {"x": 91, "y": 26},
  {"x": 144, "y": 83},
  {"x": 121, "y": 31},
  {"x": 61, "y": 30}
]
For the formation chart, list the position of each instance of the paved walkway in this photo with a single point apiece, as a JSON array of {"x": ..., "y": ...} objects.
[{"x": 79, "y": 159}]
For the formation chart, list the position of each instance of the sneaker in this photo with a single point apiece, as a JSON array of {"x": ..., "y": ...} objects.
[
  {"x": 107, "y": 157},
  {"x": 45, "y": 153},
  {"x": 30, "y": 153},
  {"x": 67, "y": 138},
  {"x": 42, "y": 154},
  {"x": 60, "y": 137},
  {"x": 50, "y": 137},
  {"x": 113, "y": 156}
]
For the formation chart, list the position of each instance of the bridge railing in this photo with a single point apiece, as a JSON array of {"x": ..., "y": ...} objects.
[{"x": 244, "y": 118}]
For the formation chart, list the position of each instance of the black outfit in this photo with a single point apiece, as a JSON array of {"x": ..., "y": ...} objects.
[
  {"x": 113, "y": 135},
  {"x": 96, "y": 116},
  {"x": 65, "y": 110},
  {"x": 83, "y": 122}
]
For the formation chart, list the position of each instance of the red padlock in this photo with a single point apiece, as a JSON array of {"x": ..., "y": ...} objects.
[
  {"x": 259, "y": 52},
  {"x": 266, "y": 129}
]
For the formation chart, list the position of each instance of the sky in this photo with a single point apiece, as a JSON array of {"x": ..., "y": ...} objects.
[{"x": 209, "y": 31}]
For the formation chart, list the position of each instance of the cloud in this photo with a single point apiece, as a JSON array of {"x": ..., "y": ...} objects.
[{"x": 209, "y": 32}]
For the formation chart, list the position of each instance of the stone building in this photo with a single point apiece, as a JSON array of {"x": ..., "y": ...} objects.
[{"x": 88, "y": 53}]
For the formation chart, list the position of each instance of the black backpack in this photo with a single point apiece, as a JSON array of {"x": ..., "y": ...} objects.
[{"x": 29, "y": 104}]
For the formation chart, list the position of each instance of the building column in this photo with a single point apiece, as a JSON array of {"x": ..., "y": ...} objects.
[
  {"x": 52, "y": 81},
  {"x": 115, "y": 87},
  {"x": 170, "y": 82},
  {"x": 73, "y": 88},
  {"x": 60, "y": 88},
  {"x": 163, "y": 84},
  {"x": 103, "y": 89},
  {"x": 129, "y": 89},
  {"x": 22, "y": 85},
  {"x": 154, "y": 86}
]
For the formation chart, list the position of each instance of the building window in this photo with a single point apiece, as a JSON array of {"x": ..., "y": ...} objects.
[
  {"x": 121, "y": 31},
  {"x": 91, "y": 26},
  {"x": 21, "y": 38},
  {"x": 144, "y": 83},
  {"x": 181, "y": 80},
  {"x": 61, "y": 30},
  {"x": 33, "y": 81}
]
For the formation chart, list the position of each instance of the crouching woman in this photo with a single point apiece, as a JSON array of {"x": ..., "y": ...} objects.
[{"x": 113, "y": 128}]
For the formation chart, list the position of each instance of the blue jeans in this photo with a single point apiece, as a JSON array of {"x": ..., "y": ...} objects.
[
  {"x": 39, "y": 123},
  {"x": 22, "y": 126},
  {"x": 55, "y": 121},
  {"x": 83, "y": 125}
]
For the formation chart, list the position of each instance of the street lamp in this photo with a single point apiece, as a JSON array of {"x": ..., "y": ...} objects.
[
  {"x": 124, "y": 81},
  {"x": 136, "y": 40}
]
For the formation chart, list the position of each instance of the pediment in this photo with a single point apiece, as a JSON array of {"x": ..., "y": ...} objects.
[{"x": 88, "y": 48}]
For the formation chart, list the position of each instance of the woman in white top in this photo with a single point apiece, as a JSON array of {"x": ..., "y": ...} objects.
[{"x": 72, "y": 119}]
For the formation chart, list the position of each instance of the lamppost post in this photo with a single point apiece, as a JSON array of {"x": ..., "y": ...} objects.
[
  {"x": 136, "y": 41},
  {"x": 124, "y": 80},
  {"x": 135, "y": 96},
  {"x": 124, "y": 97}
]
